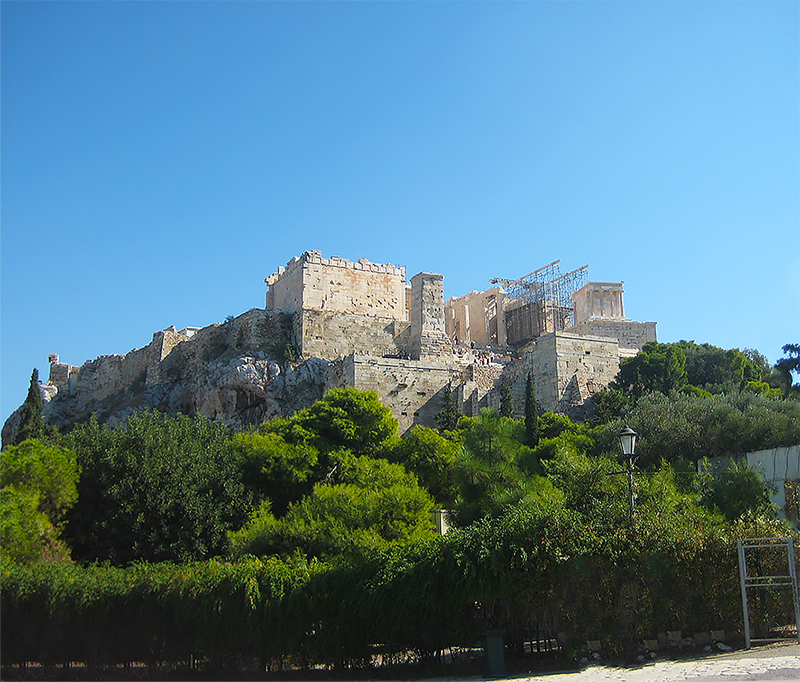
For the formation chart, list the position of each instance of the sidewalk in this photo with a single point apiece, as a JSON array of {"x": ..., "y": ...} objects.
[{"x": 774, "y": 662}]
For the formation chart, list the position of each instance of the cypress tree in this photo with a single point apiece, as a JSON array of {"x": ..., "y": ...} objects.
[
  {"x": 532, "y": 430},
  {"x": 506, "y": 402},
  {"x": 31, "y": 424},
  {"x": 448, "y": 415}
]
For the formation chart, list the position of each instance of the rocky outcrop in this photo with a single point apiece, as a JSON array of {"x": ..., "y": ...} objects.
[{"x": 240, "y": 373}]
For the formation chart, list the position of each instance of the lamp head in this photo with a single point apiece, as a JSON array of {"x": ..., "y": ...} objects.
[{"x": 627, "y": 441}]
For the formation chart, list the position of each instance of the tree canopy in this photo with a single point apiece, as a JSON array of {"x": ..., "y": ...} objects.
[
  {"x": 37, "y": 486},
  {"x": 156, "y": 488}
]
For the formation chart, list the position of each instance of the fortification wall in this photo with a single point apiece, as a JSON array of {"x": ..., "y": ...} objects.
[
  {"x": 568, "y": 369},
  {"x": 170, "y": 354},
  {"x": 411, "y": 389},
  {"x": 574, "y": 368},
  {"x": 334, "y": 284},
  {"x": 329, "y": 335},
  {"x": 477, "y": 388},
  {"x": 103, "y": 377},
  {"x": 630, "y": 335}
]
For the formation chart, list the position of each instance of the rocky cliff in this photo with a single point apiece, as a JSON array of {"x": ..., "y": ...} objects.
[{"x": 241, "y": 373}]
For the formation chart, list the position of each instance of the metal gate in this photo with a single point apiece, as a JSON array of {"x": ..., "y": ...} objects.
[{"x": 775, "y": 582}]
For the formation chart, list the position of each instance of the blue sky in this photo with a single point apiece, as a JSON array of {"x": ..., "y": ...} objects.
[{"x": 160, "y": 159}]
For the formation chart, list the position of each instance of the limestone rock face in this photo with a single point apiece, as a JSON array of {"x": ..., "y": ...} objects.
[{"x": 231, "y": 373}]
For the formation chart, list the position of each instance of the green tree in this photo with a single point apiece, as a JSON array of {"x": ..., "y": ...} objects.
[
  {"x": 608, "y": 405},
  {"x": 735, "y": 488},
  {"x": 374, "y": 506},
  {"x": 31, "y": 424},
  {"x": 659, "y": 367},
  {"x": 787, "y": 366},
  {"x": 37, "y": 486},
  {"x": 506, "y": 401},
  {"x": 717, "y": 370},
  {"x": 532, "y": 426},
  {"x": 276, "y": 470},
  {"x": 156, "y": 488},
  {"x": 683, "y": 426},
  {"x": 430, "y": 457},
  {"x": 343, "y": 418},
  {"x": 448, "y": 415},
  {"x": 494, "y": 468}
]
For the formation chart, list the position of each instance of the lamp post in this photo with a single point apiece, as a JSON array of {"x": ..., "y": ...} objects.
[{"x": 627, "y": 441}]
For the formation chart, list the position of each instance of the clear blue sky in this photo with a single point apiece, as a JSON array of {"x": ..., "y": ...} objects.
[{"x": 159, "y": 160}]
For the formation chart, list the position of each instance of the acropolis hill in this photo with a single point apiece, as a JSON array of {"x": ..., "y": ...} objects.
[{"x": 330, "y": 322}]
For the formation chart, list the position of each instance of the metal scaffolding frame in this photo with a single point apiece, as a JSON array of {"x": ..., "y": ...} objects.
[{"x": 548, "y": 293}]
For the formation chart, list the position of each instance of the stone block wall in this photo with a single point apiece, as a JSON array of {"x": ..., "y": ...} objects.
[
  {"x": 574, "y": 368},
  {"x": 631, "y": 335},
  {"x": 428, "y": 338},
  {"x": 329, "y": 335},
  {"x": 312, "y": 282},
  {"x": 567, "y": 369},
  {"x": 411, "y": 389},
  {"x": 477, "y": 388}
]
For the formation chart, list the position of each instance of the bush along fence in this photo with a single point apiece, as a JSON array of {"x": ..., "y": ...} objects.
[{"x": 534, "y": 573}]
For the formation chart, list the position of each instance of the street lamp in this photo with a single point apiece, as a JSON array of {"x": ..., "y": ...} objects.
[{"x": 627, "y": 441}]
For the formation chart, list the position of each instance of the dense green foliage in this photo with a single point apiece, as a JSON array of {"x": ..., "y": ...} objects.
[
  {"x": 697, "y": 369},
  {"x": 326, "y": 490},
  {"x": 157, "y": 489},
  {"x": 692, "y": 427},
  {"x": 494, "y": 469},
  {"x": 735, "y": 489},
  {"x": 547, "y": 571},
  {"x": 324, "y": 517},
  {"x": 372, "y": 506},
  {"x": 430, "y": 457},
  {"x": 37, "y": 486}
]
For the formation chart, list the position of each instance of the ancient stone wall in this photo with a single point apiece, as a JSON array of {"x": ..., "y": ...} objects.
[
  {"x": 630, "y": 334},
  {"x": 567, "y": 369},
  {"x": 573, "y": 368},
  {"x": 329, "y": 335},
  {"x": 312, "y": 282},
  {"x": 428, "y": 340},
  {"x": 476, "y": 389},
  {"x": 411, "y": 389}
]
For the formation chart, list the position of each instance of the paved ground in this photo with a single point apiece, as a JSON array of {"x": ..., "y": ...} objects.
[{"x": 776, "y": 662}]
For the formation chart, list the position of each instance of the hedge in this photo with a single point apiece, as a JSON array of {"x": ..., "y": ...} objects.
[{"x": 535, "y": 573}]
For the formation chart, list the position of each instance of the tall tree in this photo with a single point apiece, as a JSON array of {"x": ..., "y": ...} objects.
[
  {"x": 532, "y": 427},
  {"x": 506, "y": 402},
  {"x": 31, "y": 423},
  {"x": 789, "y": 364},
  {"x": 659, "y": 367},
  {"x": 448, "y": 415}
]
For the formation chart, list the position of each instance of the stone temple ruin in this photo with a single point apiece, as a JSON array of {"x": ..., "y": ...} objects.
[
  {"x": 406, "y": 343},
  {"x": 330, "y": 322}
]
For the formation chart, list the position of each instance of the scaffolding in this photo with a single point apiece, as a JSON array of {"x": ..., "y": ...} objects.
[{"x": 546, "y": 300}]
